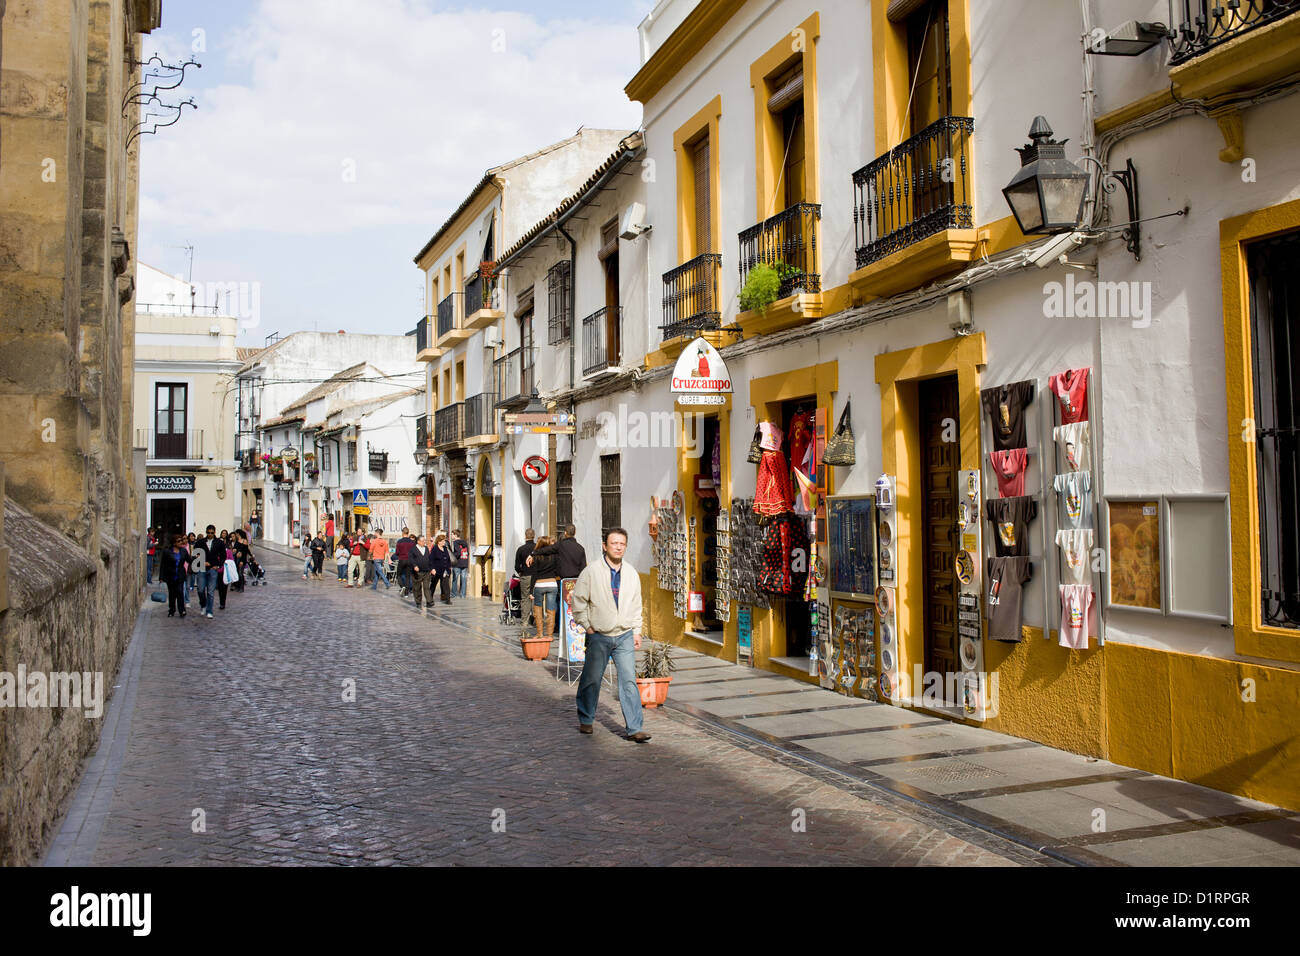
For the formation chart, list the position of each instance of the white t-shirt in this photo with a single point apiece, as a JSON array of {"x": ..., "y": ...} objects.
[
  {"x": 1075, "y": 491},
  {"x": 1076, "y": 612},
  {"x": 1075, "y": 444},
  {"x": 1076, "y": 552}
]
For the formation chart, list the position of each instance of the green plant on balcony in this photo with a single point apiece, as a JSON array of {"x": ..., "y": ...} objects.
[{"x": 762, "y": 285}]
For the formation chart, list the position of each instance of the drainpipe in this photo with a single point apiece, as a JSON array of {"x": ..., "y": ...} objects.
[{"x": 573, "y": 334}]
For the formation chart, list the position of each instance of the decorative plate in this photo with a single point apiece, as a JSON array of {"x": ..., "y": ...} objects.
[
  {"x": 886, "y": 559},
  {"x": 965, "y": 567},
  {"x": 886, "y": 686},
  {"x": 884, "y": 601},
  {"x": 886, "y": 533},
  {"x": 887, "y": 660},
  {"x": 886, "y": 634},
  {"x": 969, "y": 654}
]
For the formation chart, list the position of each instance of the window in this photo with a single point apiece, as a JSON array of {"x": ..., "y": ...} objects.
[
  {"x": 695, "y": 145},
  {"x": 703, "y": 207},
  {"x": 559, "y": 301},
  {"x": 497, "y": 537},
  {"x": 611, "y": 500},
  {"x": 563, "y": 494},
  {"x": 169, "y": 420},
  {"x": 352, "y": 455},
  {"x": 325, "y": 465},
  {"x": 1273, "y": 267}
]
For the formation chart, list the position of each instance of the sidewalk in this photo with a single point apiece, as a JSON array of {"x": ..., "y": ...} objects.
[{"x": 1074, "y": 809}]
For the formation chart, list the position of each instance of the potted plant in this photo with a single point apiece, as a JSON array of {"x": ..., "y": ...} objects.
[
  {"x": 654, "y": 673},
  {"x": 762, "y": 286},
  {"x": 535, "y": 648}
]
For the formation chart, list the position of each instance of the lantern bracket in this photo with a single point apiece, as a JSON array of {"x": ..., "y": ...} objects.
[{"x": 1110, "y": 180}]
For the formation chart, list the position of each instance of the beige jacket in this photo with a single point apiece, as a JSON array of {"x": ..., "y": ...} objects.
[{"x": 593, "y": 600}]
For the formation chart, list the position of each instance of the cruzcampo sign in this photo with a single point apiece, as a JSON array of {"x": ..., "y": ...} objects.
[{"x": 700, "y": 377}]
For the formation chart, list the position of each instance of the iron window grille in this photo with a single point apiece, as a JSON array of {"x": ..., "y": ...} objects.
[
  {"x": 563, "y": 494},
  {"x": 691, "y": 302},
  {"x": 559, "y": 301},
  {"x": 1274, "y": 271},
  {"x": 611, "y": 496}
]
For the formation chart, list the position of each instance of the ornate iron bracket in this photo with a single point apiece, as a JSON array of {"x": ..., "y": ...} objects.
[{"x": 1110, "y": 180}]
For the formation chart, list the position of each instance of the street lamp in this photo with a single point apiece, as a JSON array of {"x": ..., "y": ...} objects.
[{"x": 1046, "y": 196}]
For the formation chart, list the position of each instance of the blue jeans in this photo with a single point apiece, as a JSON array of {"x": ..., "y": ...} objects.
[
  {"x": 208, "y": 588},
  {"x": 379, "y": 573},
  {"x": 458, "y": 582},
  {"x": 600, "y": 648},
  {"x": 148, "y": 568}
]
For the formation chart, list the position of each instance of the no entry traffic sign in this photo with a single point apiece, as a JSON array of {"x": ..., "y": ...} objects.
[{"x": 535, "y": 469}]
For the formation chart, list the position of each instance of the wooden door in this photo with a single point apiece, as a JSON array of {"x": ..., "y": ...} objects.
[
  {"x": 940, "y": 450},
  {"x": 792, "y": 123},
  {"x": 702, "y": 223},
  {"x": 930, "y": 62}
]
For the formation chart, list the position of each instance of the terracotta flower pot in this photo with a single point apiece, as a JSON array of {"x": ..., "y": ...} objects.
[
  {"x": 654, "y": 690},
  {"x": 535, "y": 649}
]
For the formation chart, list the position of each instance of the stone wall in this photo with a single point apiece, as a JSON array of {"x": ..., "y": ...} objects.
[{"x": 68, "y": 214}]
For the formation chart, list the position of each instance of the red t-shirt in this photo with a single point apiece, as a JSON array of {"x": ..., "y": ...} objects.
[
  {"x": 329, "y": 528},
  {"x": 1071, "y": 390},
  {"x": 1009, "y": 467}
]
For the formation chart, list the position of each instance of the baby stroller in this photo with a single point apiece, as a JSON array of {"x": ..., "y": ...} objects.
[
  {"x": 254, "y": 573},
  {"x": 510, "y": 602}
]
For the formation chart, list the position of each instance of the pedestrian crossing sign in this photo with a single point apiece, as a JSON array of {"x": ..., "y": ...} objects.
[{"x": 360, "y": 502}]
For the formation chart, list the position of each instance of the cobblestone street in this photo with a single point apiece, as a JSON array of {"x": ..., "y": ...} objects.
[{"x": 243, "y": 718}]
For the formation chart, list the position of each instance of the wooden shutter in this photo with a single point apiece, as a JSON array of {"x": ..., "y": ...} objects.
[{"x": 703, "y": 201}]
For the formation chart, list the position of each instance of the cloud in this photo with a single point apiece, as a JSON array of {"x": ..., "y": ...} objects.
[{"x": 345, "y": 119}]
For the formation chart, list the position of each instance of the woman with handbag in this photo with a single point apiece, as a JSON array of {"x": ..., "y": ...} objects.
[{"x": 172, "y": 572}]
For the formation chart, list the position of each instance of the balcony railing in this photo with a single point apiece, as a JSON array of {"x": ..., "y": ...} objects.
[
  {"x": 448, "y": 320},
  {"x": 480, "y": 291},
  {"x": 423, "y": 436},
  {"x": 788, "y": 242},
  {"x": 691, "y": 301},
  {"x": 1207, "y": 23},
  {"x": 599, "y": 347},
  {"x": 170, "y": 446},
  {"x": 513, "y": 376},
  {"x": 919, "y": 188},
  {"x": 422, "y": 335},
  {"x": 481, "y": 415},
  {"x": 449, "y": 424}
]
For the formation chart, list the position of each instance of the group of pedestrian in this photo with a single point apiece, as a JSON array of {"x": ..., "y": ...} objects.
[{"x": 208, "y": 567}]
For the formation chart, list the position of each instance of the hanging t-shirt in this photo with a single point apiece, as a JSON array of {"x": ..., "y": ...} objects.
[
  {"x": 1075, "y": 444},
  {"x": 1009, "y": 467},
  {"x": 1005, "y": 406},
  {"x": 1010, "y": 518},
  {"x": 1075, "y": 491},
  {"x": 1076, "y": 612},
  {"x": 1071, "y": 390},
  {"x": 1076, "y": 552},
  {"x": 1006, "y": 580}
]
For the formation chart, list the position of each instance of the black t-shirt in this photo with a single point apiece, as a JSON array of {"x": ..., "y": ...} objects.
[
  {"x": 1004, "y": 591},
  {"x": 1010, "y": 518},
  {"x": 1005, "y": 407}
]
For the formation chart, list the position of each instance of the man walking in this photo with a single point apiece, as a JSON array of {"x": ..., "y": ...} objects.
[
  {"x": 525, "y": 573},
  {"x": 421, "y": 561},
  {"x": 356, "y": 562},
  {"x": 214, "y": 559},
  {"x": 329, "y": 533},
  {"x": 402, "y": 551},
  {"x": 571, "y": 557},
  {"x": 607, "y": 605},
  {"x": 459, "y": 564},
  {"x": 379, "y": 556}
]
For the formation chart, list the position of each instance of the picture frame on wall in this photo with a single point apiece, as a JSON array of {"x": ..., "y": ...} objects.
[{"x": 1134, "y": 546}]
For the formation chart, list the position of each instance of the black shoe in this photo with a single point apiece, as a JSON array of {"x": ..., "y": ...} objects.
[
  {"x": 446, "y": 602},
  {"x": 171, "y": 613},
  {"x": 639, "y": 737},
  {"x": 182, "y": 613}
]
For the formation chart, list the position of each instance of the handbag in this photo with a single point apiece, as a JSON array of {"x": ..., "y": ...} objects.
[
  {"x": 159, "y": 596},
  {"x": 840, "y": 449},
  {"x": 230, "y": 573},
  {"x": 755, "y": 449}
]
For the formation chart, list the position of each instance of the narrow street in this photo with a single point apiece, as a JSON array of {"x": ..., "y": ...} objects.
[{"x": 242, "y": 717}]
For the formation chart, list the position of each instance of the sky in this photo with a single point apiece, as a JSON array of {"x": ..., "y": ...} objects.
[{"x": 331, "y": 138}]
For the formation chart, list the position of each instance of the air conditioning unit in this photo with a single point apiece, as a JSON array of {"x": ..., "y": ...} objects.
[
  {"x": 491, "y": 338},
  {"x": 633, "y": 224}
]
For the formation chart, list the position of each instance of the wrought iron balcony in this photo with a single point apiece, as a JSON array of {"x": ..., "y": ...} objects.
[
  {"x": 919, "y": 188},
  {"x": 449, "y": 424},
  {"x": 423, "y": 436},
  {"x": 449, "y": 318},
  {"x": 422, "y": 335},
  {"x": 602, "y": 333},
  {"x": 170, "y": 446},
  {"x": 1207, "y": 23},
  {"x": 691, "y": 302},
  {"x": 513, "y": 377},
  {"x": 481, "y": 415},
  {"x": 788, "y": 242}
]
